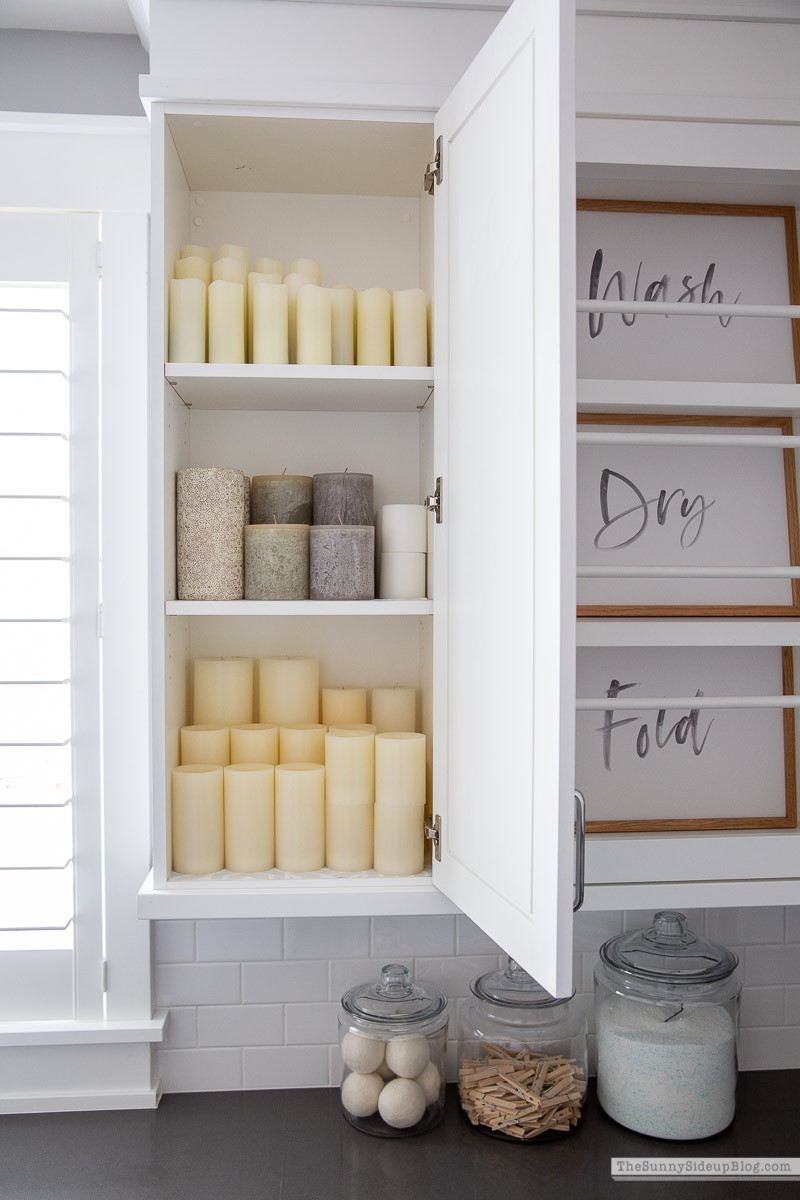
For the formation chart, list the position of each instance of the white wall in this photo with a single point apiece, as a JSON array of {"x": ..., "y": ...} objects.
[{"x": 49, "y": 72}]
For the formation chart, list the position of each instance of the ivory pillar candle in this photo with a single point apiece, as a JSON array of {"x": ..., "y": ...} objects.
[
  {"x": 276, "y": 562},
  {"x": 374, "y": 332},
  {"x": 205, "y": 744},
  {"x": 255, "y": 744},
  {"x": 358, "y": 726},
  {"x": 343, "y": 300},
  {"x": 410, "y": 328},
  {"x": 198, "y": 831},
  {"x": 403, "y": 528},
  {"x": 303, "y": 743},
  {"x": 193, "y": 267},
  {"x": 270, "y": 266},
  {"x": 289, "y": 690},
  {"x": 254, "y": 278},
  {"x": 402, "y": 576},
  {"x": 249, "y": 816},
  {"x": 400, "y": 769},
  {"x": 394, "y": 709},
  {"x": 342, "y": 565},
  {"x": 299, "y": 817},
  {"x": 210, "y": 533},
  {"x": 344, "y": 705},
  {"x": 349, "y": 835},
  {"x": 226, "y": 326},
  {"x": 240, "y": 253},
  {"x": 197, "y": 252},
  {"x": 349, "y": 767},
  {"x": 307, "y": 266},
  {"x": 232, "y": 270},
  {"x": 314, "y": 325},
  {"x": 343, "y": 498},
  {"x": 399, "y": 840},
  {"x": 294, "y": 281},
  {"x": 223, "y": 691},
  {"x": 270, "y": 323},
  {"x": 187, "y": 320},
  {"x": 286, "y": 499}
]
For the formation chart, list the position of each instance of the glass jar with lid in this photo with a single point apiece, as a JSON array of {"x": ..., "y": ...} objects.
[
  {"x": 393, "y": 1040},
  {"x": 522, "y": 1058},
  {"x": 667, "y": 1016}
]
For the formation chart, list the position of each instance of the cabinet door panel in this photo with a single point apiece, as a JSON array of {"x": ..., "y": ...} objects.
[{"x": 504, "y": 437}]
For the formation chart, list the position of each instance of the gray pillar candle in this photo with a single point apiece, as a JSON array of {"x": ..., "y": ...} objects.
[
  {"x": 276, "y": 562},
  {"x": 210, "y": 533},
  {"x": 342, "y": 498},
  {"x": 282, "y": 498},
  {"x": 342, "y": 562}
]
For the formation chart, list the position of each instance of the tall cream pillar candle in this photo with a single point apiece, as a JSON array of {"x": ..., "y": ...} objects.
[
  {"x": 294, "y": 281},
  {"x": 197, "y": 252},
  {"x": 240, "y": 253},
  {"x": 249, "y": 817},
  {"x": 232, "y": 270},
  {"x": 394, "y": 709},
  {"x": 205, "y": 744},
  {"x": 270, "y": 266},
  {"x": 349, "y": 835},
  {"x": 303, "y": 743},
  {"x": 270, "y": 313},
  {"x": 299, "y": 817},
  {"x": 226, "y": 324},
  {"x": 223, "y": 691},
  {"x": 402, "y": 576},
  {"x": 193, "y": 267},
  {"x": 344, "y": 705},
  {"x": 399, "y": 840},
  {"x": 403, "y": 528},
  {"x": 307, "y": 266},
  {"x": 253, "y": 278},
  {"x": 349, "y": 767},
  {"x": 314, "y": 325},
  {"x": 410, "y": 328},
  {"x": 289, "y": 690},
  {"x": 187, "y": 320},
  {"x": 198, "y": 831},
  {"x": 255, "y": 744},
  {"x": 374, "y": 333},
  {"x": 343, "y": 308},
  {"x": 400, "y": 769}
]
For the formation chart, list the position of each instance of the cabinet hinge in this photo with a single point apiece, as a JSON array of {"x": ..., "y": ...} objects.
[
  {"x": 434, "y": 172},
  {"x": 100, "y": 259},
  {"x": 104, "y": 975},
  {"x": 433, "y": 832},
  {"x": 434, "y": 503},
  {"x": 100, "y": 620}
]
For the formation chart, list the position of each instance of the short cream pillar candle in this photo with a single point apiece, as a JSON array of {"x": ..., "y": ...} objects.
[
  {"x": 344, "y": 705},
  {"x": 294, "y": 281},
  {"x": 303, "y": 743},
  {"x": 232, "y": 270},
  {"x": 187, "y": 320},
  {"x": 226, "y": 326},
  {"x": 399, "y": 840},
  {"x": 394, "y": 709},
  {"x": 374, "y": 328},
  {"x": 249, "y": 817},
  {"x": 285, "y": 499},
  {"x": 350, "y": 766},
  {"x": 193, "y": 267},
  {"x": 276, "y": 562},
  {"x": 314, "y": 326},
  {"x": 270, "y": 266},
  {"x": 400, "y": 769},
  {"x": 270, "y": 321},
  {"x": 198, "y": 830},
  {"x": 403, "y": 528},
  {"x": 223, "y": 691},
  {"x": 289, "y": 690},
  {"x": 253, "y": 278},
  {"x": 240, "y": 253},
  {"x": 205, "y": 744},
  {"x": 193, "y": 251},
  {"x": 402, "y": 576},
  {"x": 343, "y": 310},
  {"x": 255, "y": 744},
  {"x": 349, "y": 836},
  {"x": 358, "y": 726},
  {"x": 299, "y": 817},
  {"x": 307, "y": 266},
  {"x": 410, "y": 318}
]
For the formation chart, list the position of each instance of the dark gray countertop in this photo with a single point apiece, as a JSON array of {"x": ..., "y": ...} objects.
[{"x": 295, "y": 1145}]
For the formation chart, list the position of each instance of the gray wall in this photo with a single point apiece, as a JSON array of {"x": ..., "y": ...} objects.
[{"x": 71, "y": 72}]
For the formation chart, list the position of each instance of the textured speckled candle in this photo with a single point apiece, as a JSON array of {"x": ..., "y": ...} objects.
[
  {"x": 344, "y": 705},
  {"x": 210, "y": 535},
  {"x": 394, "y": 709},
  {"x": 276, "y": 562},
  {"x": 285, "y": 499},
  {"x": 205, "y": 744},
  {"x": 343, "y": 498},
  {"x": 223, "y": 691},
  {"x": 342, "y": 562},
  {"x": 255, "y": 744},
  {"x": 289, "y": 690},
  {"x": 249, "y": 817},
  {"x": 198, "y": 831}
]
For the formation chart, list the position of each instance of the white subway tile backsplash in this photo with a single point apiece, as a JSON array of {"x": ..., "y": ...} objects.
[
  {"x": 470, "y": 938},
  {"x": 793, "y": 923},
  {"x": 772, "y": 964},
  {"x": 173, "y": 941},
  {"x": 396, "y": 938},
  {"x": 748, "y": 926},
  {"x": 326, "y": 937},
  {"x": 240, "y": 1025},
  {"x": 284, "y": 982},
  {"x": 762, "y": 1006},
  {"x": 344, "y": 973},
  {"x": 312, "y": 1024},
  {"x": 769, "y": 1049},
  {"x": 453, "y": 975},
  {"x": 181, "y": 1030},
  {"x": 198, "y": 983},
  {"x": 285, "y": 1067},
  {"x": 334, "y": 1066},
  {"x": 591, "y": 929},
  {"x": 239, "y": 941},
  {"x": 792, "y": 1015},
  {"x": 200, "y": 1070}
]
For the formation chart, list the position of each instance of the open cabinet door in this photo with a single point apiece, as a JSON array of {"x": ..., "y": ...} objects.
[{"x": 504, "y": 434}]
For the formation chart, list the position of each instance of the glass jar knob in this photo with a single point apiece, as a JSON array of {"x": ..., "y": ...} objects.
[{"x": 394, "y": 980}]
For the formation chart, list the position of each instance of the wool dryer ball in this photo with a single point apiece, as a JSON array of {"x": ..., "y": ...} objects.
[
  {"x": 430, "y": 1081},
  {"x": 360, "y": 1094},
  {"x": 363, "y": 1054},
  {"x": 407, "y": 1056},
  {"x": 401, "y": 1103}
]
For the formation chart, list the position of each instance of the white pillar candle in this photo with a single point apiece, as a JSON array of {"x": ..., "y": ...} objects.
[
  {"x": 205, "y": 744},
  {"x": 402, "y": 576},
  {"x": 226, "y": 327},
  {"x": 249, "y": 817},
  {"x": 374, "y": 328},
  {"x": 307, "y": 266},
  {"x": 358, "y": 726},
  {"x": 394, "y": 709},
  {"x": 289, "y": 690},
  {"x": 240, "y": 253},
  {"x": 343, "y": 308},
  {"x": 197, "y": 252},
  {"x": 193, "y": 267},
  {"x": 314, "y": 325},
  {"x": 403, "y": 528},
  {"x": 253, "y": 278},
  {"x": 255, "y": 744},
  {"x": 187, "y": 320},
  {"x": 276, "y": 562},
  {"x": 400, "y": 769},
  {"x": 349, "y": 836},
  {"x": 285, "y": 499},
  {"x": 223, "y": 691},
  {"x": 270, "y": 323},
  {"x": 399, "y": 840},
  {"x": 232, "y": 270},
  {"x": 198, "y": 831},
  {"x": 349, "y": 767},
  {"x": 270, "y": 266},
  {"x": 294, "y": 281},
  {"x": 410, "y": 328},
  {"x": 211, "y": 508},
  {"x": 303, "y": 743},
  {"x": 299, "y": 817},
  {"x": 344, "y": 705}
]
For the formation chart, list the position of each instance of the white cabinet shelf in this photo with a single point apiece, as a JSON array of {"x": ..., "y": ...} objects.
[
  {"x": 299, "y": 608},
  {"x": 686, "y": 632},
  {"x": 666, "y": 396},
  {"x": 249, "y": 387}
]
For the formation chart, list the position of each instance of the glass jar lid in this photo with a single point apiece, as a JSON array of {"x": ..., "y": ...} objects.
[
  {"x": 513, "y": 987},
  {"x": 394, "y": 998},
  {"x": 669, "y": 952}
]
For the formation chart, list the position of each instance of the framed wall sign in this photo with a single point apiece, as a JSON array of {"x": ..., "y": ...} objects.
[
  {"x": 716, "y": 253},
  {"x": 698, "y": 768},
  {"x": 687, "y": 506}
]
